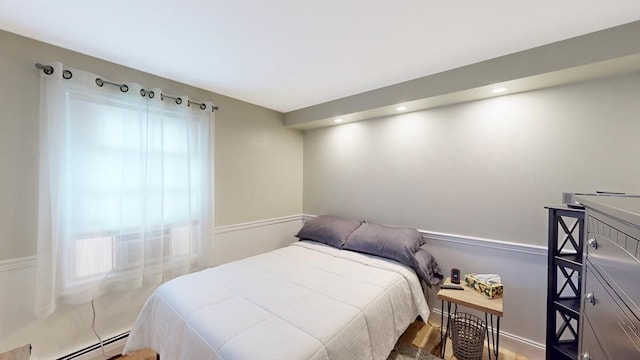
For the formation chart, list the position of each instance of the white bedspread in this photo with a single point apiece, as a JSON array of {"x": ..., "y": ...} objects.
[{"x": 304, "y": 301}]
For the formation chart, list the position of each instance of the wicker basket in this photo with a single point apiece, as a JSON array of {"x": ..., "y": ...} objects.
[{"x": 467, "y": 335}]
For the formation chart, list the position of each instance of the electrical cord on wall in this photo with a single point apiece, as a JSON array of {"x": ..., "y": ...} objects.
[{"x": 93, "y": 327}]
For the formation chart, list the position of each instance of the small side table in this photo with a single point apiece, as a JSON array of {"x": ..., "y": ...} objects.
[{"x": 473, "y": 300}]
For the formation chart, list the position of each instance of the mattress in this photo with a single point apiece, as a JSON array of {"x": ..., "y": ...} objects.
[{"x": 303, "y": 301}]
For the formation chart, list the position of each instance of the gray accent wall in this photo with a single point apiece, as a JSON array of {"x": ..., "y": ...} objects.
[
  {"x": 258, "y": 162},
  {"x": 484, "y": 169}
]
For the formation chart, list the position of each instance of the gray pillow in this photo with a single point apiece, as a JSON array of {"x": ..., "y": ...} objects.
[
  {"x": 394, "y": 243},
  {"x": 426, "y": 267},
  {"x": 330, "y": 230}
]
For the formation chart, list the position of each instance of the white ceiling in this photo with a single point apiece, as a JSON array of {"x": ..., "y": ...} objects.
[{"x": 287, "y": 55}]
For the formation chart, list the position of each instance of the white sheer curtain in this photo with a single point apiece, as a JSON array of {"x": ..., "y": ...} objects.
[{"x": 125, "y": 187}]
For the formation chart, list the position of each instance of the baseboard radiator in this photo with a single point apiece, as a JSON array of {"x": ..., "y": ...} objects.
[{"x": 112, "y": 348}]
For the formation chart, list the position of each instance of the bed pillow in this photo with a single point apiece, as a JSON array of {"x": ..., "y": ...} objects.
[
  {"x": 426, "y": 267},
  {"x": 390, "y": 242},
  {"x": 330, "y": 230}
]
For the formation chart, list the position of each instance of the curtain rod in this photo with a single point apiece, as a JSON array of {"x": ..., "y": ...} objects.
[{"x": 48, "y": 70}]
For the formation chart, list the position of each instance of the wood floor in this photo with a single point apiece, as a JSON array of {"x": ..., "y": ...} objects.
[
  {"x": 140, "y": 355},
  {"x": 418, "y": 334},
  {"x": 427, "y": 337}
]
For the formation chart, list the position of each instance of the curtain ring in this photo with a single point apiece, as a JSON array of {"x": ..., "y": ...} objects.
[
  {"x": 201, "y": 105},
  {"x": 151, "y": 94},
  {"x": 99, "y": 82},
  {"x": 67, "y": 74},
  {"x": 178, "y": 101},
  {"x": 124, "y": 88}
]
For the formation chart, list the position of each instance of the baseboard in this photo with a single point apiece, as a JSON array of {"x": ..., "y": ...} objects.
[
  {"x": 110, "y": 348},
  {"x": 517, "y": 344}
]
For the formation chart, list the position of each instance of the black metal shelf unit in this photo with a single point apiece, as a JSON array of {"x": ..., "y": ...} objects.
[{"x": 564, "y": 285}]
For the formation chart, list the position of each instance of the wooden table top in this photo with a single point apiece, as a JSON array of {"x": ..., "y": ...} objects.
[{"x": 471, "y": 299}]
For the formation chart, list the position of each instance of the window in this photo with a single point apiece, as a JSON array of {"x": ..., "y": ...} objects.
[{"x": 125, "y": 190}]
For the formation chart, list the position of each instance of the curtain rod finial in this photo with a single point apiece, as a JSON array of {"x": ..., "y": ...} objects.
[{"x": 47, "y": 69}]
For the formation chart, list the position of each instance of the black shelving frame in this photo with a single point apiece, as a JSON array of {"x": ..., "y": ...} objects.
[{"x": 564, "y": 282}]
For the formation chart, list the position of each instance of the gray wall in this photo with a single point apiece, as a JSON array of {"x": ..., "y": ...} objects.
[
  {"x": 258, "y": 162},
  {"x": 483, "y": 169}
]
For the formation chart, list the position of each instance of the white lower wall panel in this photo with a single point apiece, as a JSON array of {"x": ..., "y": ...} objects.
[
  {"x": 239, "y": 241},
  {"x": 17, "y": 291},
  {"x": 523, "y": 269},
  {"x": 68, "y": 329}
]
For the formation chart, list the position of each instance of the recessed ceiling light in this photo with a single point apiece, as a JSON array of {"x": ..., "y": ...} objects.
[
  {"x": 337, "y": 121},
  {"x": 499, "y": 90},
  {"x": 401, "y": 108}
]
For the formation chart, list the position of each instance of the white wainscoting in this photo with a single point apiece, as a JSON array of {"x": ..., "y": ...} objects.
[
  {"x": 522, "y": 267},
  {"x": 18, "y": 325},
  {"x": 17, "y": 291},
  {"x": 234, "y": 242},
  {"x": 17, "y": 264}
]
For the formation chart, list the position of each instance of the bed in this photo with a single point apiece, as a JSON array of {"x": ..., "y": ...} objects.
[{"x": 309, "y": 300}]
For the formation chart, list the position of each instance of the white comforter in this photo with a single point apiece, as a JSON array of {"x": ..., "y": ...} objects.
[{"x": 304, "y": 301}]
